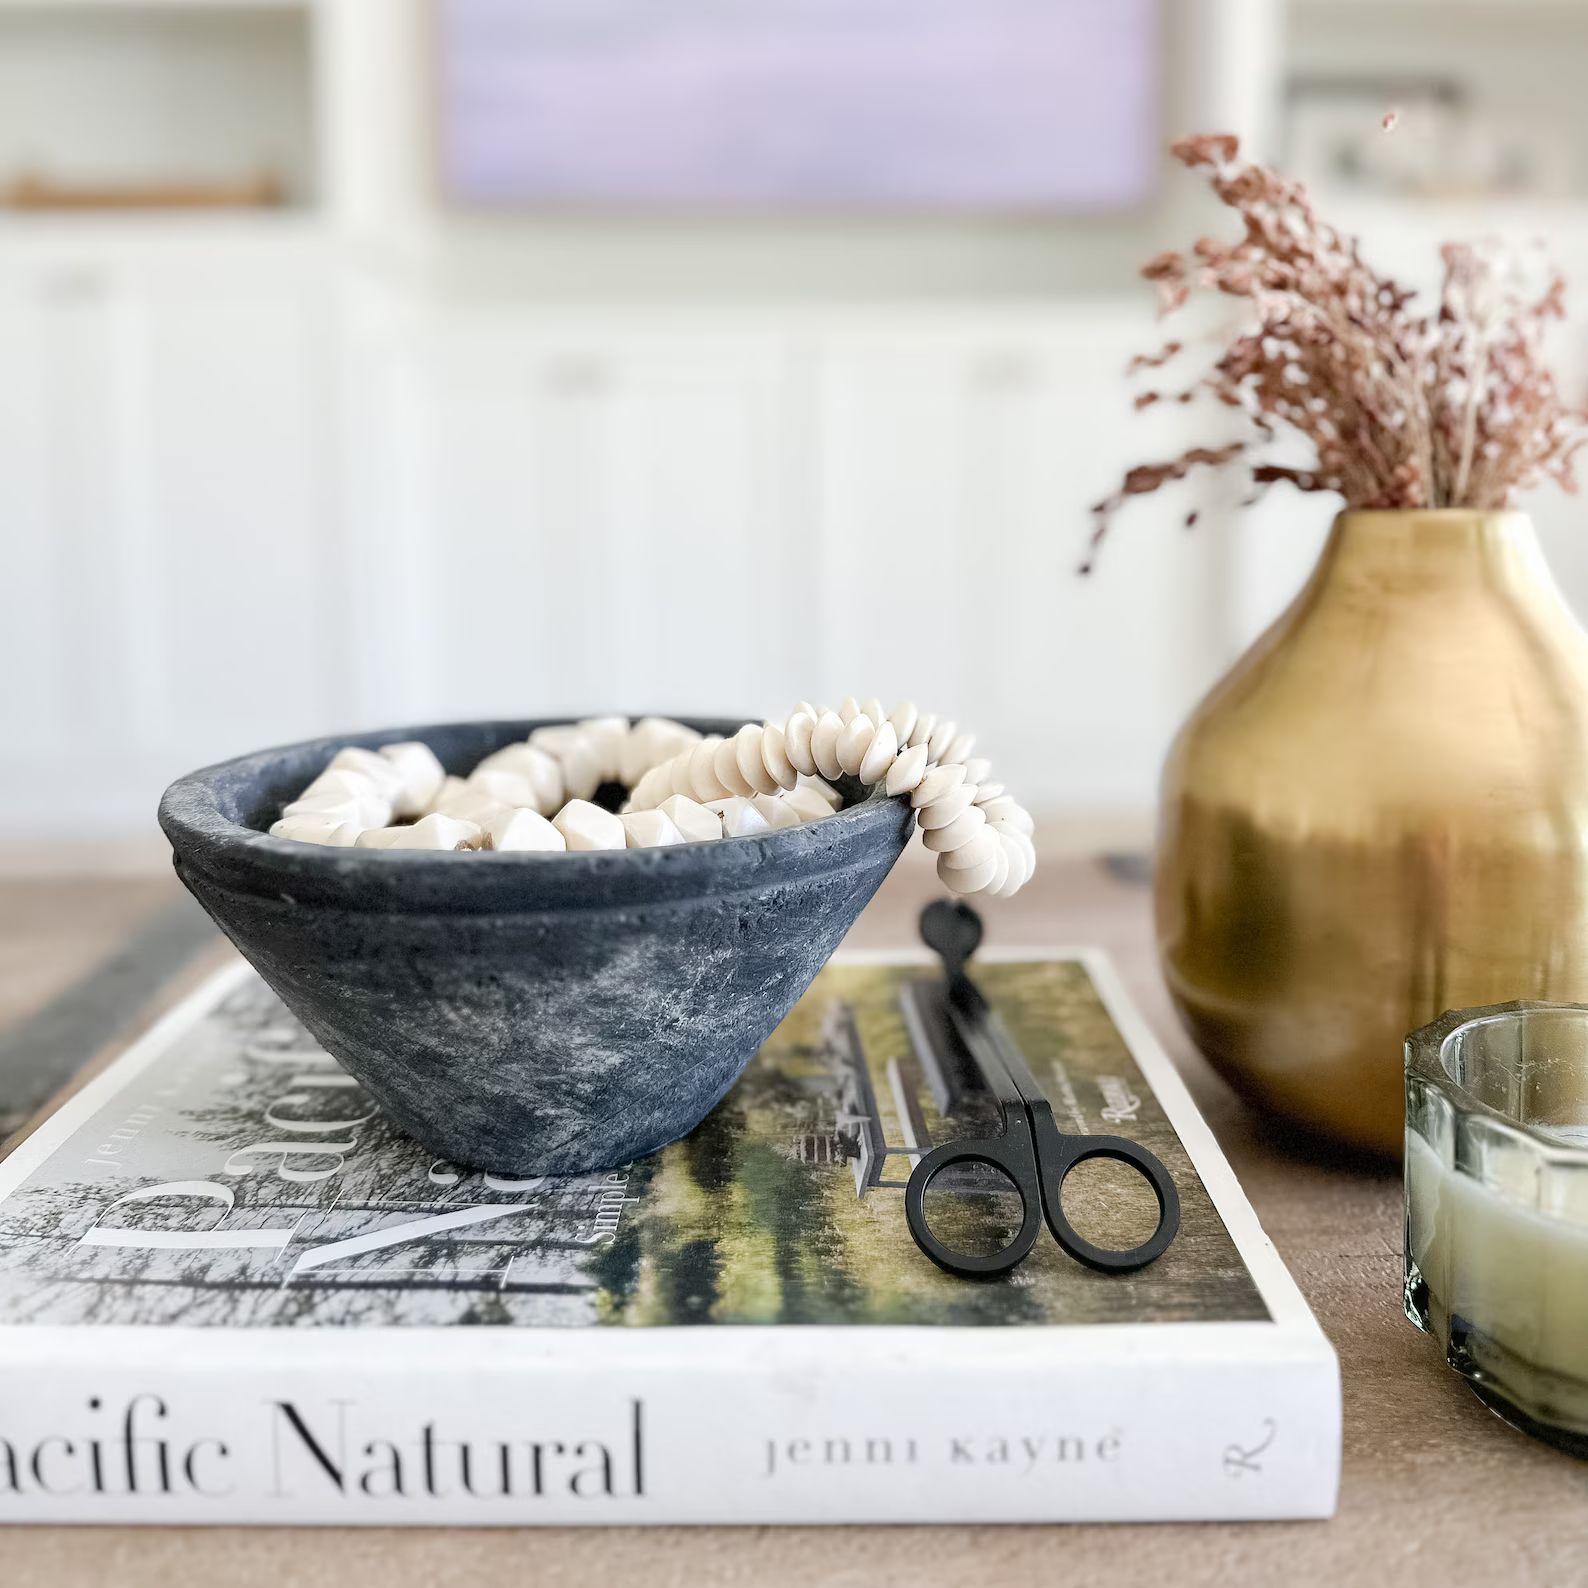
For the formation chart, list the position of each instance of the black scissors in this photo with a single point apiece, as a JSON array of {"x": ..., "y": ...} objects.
[{"x": 1032, "y": 1153}]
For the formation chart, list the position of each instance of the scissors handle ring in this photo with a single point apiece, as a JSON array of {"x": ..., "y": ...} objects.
[
  {"x": 1058, "y": 1154},
  {"x": 1011, "y": 1159}
]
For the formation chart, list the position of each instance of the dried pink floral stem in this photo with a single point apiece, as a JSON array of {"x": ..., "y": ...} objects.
[{"x": 1399, "y": 409}]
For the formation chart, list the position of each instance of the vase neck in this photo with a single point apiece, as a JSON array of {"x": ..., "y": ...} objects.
[{"x": 1422, "y": 553}]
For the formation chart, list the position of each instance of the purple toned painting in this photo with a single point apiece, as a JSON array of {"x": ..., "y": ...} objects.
[{"x": 955, "y": 105}]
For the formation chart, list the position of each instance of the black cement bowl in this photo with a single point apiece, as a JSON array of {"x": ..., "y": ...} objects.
[{"x": 526, "y": 1013}]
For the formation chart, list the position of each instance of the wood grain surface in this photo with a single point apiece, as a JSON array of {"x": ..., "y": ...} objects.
[{"x": 1436, "y": 1490}]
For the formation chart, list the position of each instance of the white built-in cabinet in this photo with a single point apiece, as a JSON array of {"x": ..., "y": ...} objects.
[{"x": 248, "y": 494}]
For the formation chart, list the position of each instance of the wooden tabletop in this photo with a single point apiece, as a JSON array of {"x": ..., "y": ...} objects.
[{"x": 1435, "y": 1490}]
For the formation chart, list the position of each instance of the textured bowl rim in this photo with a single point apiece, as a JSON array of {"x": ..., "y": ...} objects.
[{"x": 200, "y": 816}]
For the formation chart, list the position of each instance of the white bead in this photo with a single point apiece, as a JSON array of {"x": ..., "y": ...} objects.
[
  {"x": 804, "y": 707},
  {"x": 653, "y": 787},
  {"x": 581, "y": 770},
  {"x": 363, "y": 811},
  {"x": 522, "y": 829},
  {"x": 1019, "y": 870},
  {"x": 936, "y": 784},
  {"x": 797, "y": 742},
  {"x": 833, "y": 799},
  {"x": 725, "y": 762},
  {"x": 978, "y": 770},
  {"x": 682, "y": 768},
  {"x": 585, "y": 826},
  {"x": 953, "y": 834},
  {"x": 982, "y": 848},
  {"x": 777, "y": 811},
  {"x": 419, "y": 776},
  {"x": 543, "y": 773},
  {"x": 650, "y": 830},
  {"x": 1004, "y": 812},
  {"x": 605, "y": 737},
  {"x": 873, "y": 708},
  {"x": 1001, "y": 875},
  {"x": 704, "y": 784},
  {"x": 505, "y": 787},
  {"x": 774, "y": 756},
  {"x": 367, "y": 763},
  {"x": 740, "y": 818},
  {"x": 986, "y": 793},
  {"x": 692, "y": 819},
  {"x": 824, "y": 744},
  {"x": 806, "y": 803},
  {"x": 751, "y": 758},
  {"x": 879, "y": 756},
  {"x": 347, "y": 783},
  {"x": 469, "y": 803},
  {"x": 310, "y": 829},
  {"x": 904, "y": 719},
  {"x": 941, "y": 811},
  {"x": 943, "y": 734},
  {"x": 906, "y": 773},
  {"x": 849, "y": 710},
  {"x": 854, "y": 741},
  {"x": 968, "y": 878},
  {"x": 649, "y": 742},
  {"x": 922, "y": 731},
  {"x": 959, "y": 749},
  {"x": 434, "y": 831}
]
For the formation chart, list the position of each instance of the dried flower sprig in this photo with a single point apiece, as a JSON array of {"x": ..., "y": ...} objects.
[{"x": 1399, "y": 409}]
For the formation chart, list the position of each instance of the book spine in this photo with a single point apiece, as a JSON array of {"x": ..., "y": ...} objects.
[{"x": 765, "y": 1436}]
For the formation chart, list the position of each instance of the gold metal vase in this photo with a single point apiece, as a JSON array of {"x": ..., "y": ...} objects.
[{"x": 1379, "y": 814}]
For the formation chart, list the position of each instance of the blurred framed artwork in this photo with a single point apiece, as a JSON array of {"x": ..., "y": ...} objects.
[{"x": 1045, "y": 106}]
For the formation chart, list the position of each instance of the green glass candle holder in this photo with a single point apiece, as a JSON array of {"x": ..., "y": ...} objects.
[{"x": 1496, "y": 1263}]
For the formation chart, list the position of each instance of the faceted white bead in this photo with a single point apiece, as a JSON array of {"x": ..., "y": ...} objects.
[
  {"x": 522, "y": 829},
  {"x": 581, "y": 766},
  {"x": 740, "y": 818},
  {"x": 468, "y": 802},
  {"x": 879, "y": 755},
  {"x": 368, "y": 810},
  {"x": 605, "y": 737},
  {"x": 585, "y": 826},
  {"x": 854, "y": 741},
  {"x": 505, "y": 787},
  {"x": 434, "y": 831},
  {"x": 906, "y": 773},
  {"x": 368, "y": 763},
  {"x": 650, "y": 830},
  {"x": 806, "y": 803},
  {"x": 776, "y": 809},
  {"x": 824, "y": 791},
  {"x": 542, "y": 772},
  {"x": 419, "y": 776},
  {"x": 824, "y": 744},
  {"x": 693, "y": 820},
  {"x": 648, "y": 743},
  {"x": 307, "y": 828}
]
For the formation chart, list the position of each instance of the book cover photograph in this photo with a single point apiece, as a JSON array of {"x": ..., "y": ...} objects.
[
  {"x": 232, "y": 1290},
  {"x": 241, "y": 1178}
]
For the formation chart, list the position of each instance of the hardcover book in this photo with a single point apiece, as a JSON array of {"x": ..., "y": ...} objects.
[{"x": 231, "y": 1291}]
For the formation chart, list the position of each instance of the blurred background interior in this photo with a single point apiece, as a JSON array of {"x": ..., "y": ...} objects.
[{"x": 367, "y": 362}]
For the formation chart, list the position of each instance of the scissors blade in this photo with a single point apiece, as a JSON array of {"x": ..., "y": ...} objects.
[{"x": 973, "y": 1023}]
